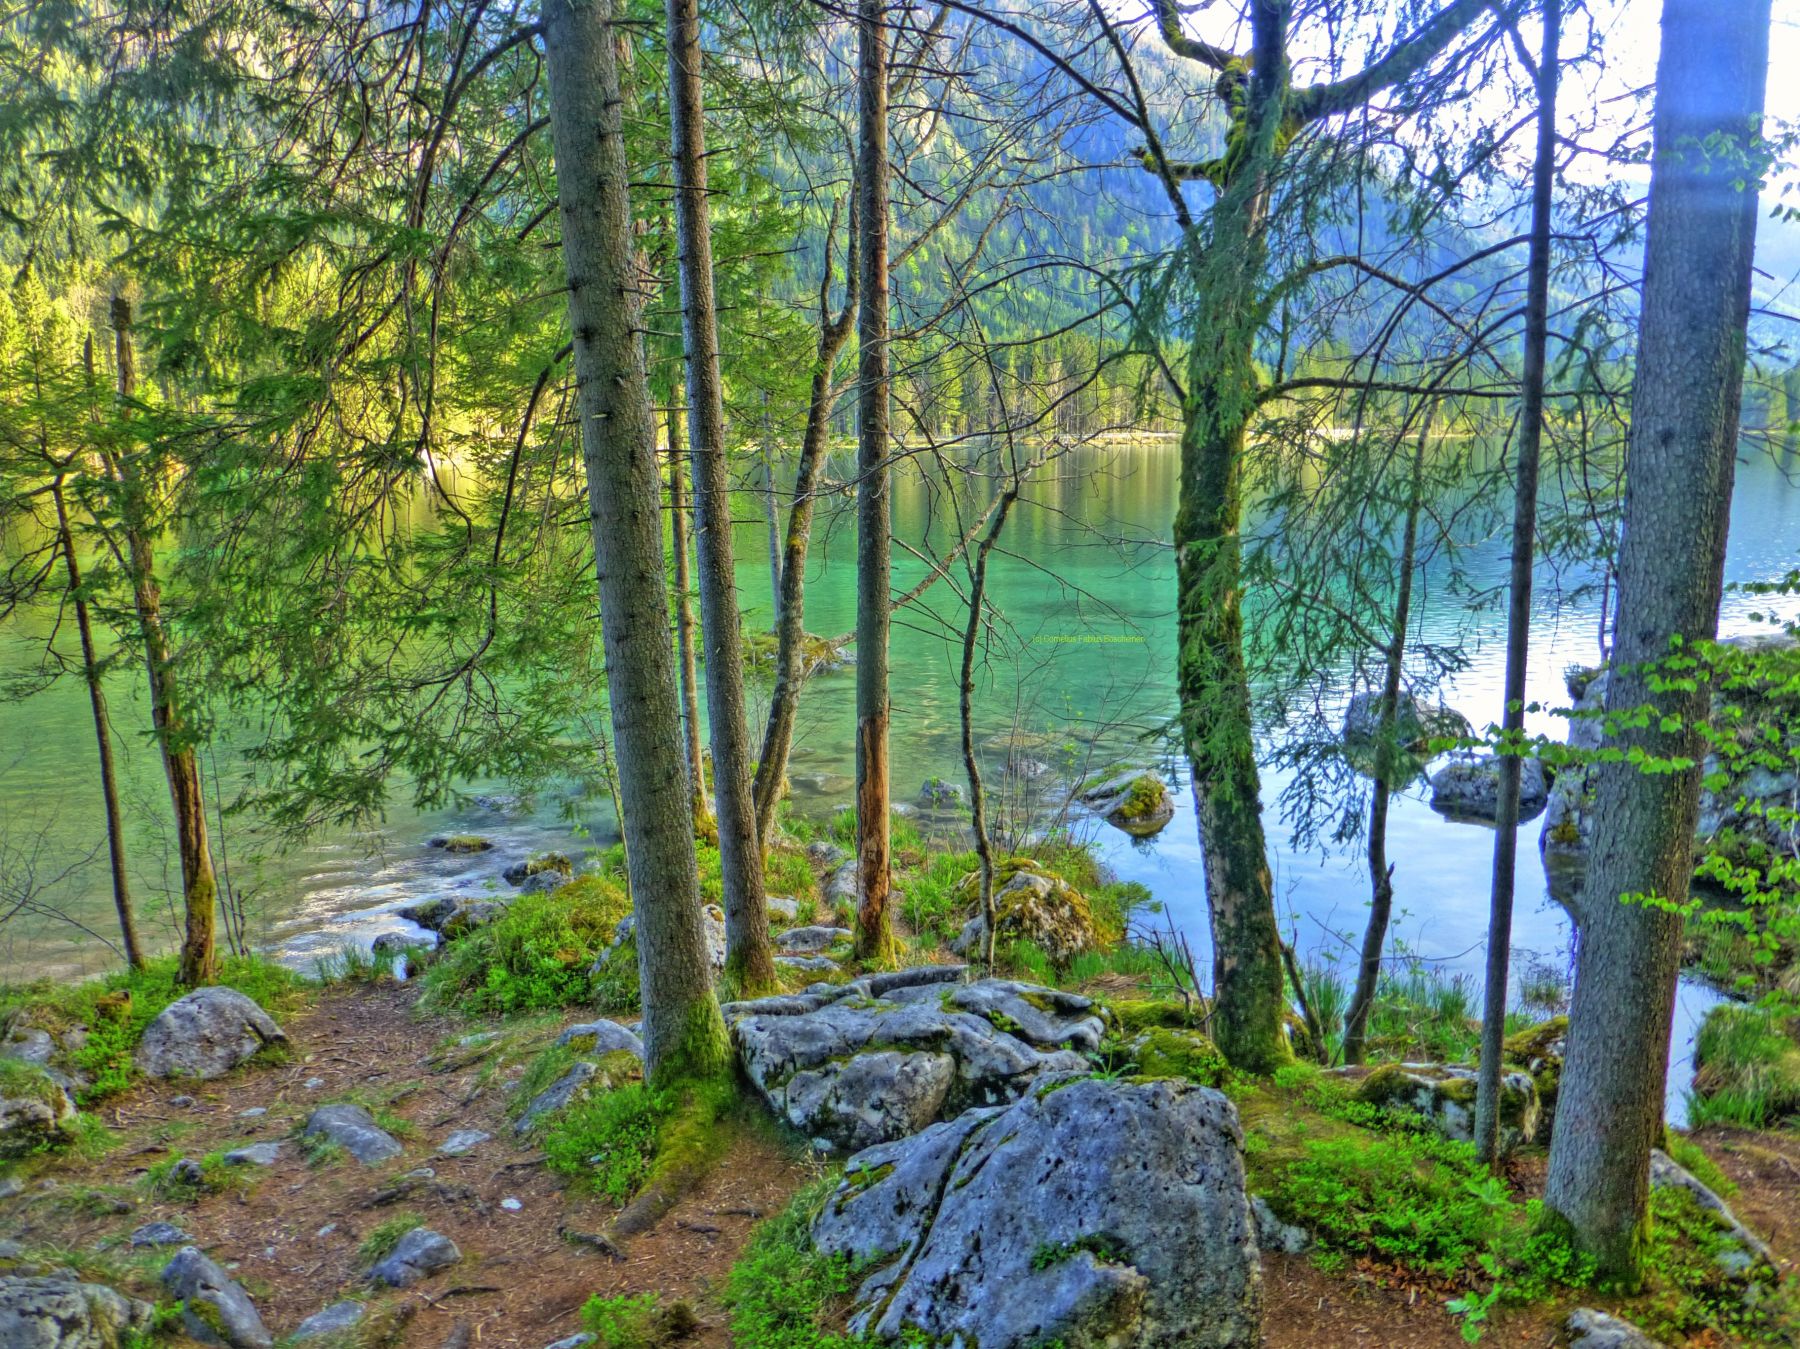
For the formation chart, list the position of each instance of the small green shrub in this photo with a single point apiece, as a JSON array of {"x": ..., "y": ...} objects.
[
  {"x": 608, "y": 1140},
  {"x": 1690, "y": 1293},
  {"x": 536, "y": 954},
  {"x": 783, "y": 1293},
  {"x": 641, "y": 1322}
]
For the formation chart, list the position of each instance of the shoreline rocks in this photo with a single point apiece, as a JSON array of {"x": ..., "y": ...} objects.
[
  {"x": 1470, "y": 788},
  {"x": 1136, "y": 802}
]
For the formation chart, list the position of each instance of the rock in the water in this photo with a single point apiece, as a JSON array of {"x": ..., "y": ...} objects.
[
  {"x": 64, "y": 1313},
  {"x": 160, "y": 1234},
  {"x": 35, "y": 1109},
  {"x": 1138, "y": 803},
  {"x": 1029, "y": 905},
  {"x": 1590, "y": 1329},
  {"x": 1445, "y": 1095},
  {"x": 879, "y": 1058},
  {"x": 431, "y": 914},
  {"x": 544, "y": 864},
  {"x": 214, "y": 1310},
  {"x": 1470, "y": 788},
  {"x": 940, "y": 794},
  {"x": 253, "y": 1154},
  {"x": 355, "y": 1130},
  {"x": 608, "y": 1037},
  {"x": 811, "y": 940},
  {"x": 399, "y": 943},
  {"x": 1746, "y": 1255},
  {"x": 1089, "y": 1213},
  {"x": 206, "y": 1034},
  {"x": 1416, "y": 722},
  {"x": 420, "y": 1254},
  {"x": 334, "y": 1320},
  {"x": 463, "y": 1141},
  {"x": 556, "y": 1096},
  {"x": 462, "y": 844}
]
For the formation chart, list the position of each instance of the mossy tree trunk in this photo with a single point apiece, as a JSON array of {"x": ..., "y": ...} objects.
[
  {"x": 684, "y": 1036},
  {"x": 1680, "y": 460},
  {"x": 685, "y": 639}
]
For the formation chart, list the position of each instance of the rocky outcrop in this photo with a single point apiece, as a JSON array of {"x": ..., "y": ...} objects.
[
  {"x": 1470, "y": 788},
  {"x": 1445, "y": 1095},
  {"x": 419, "y": 1254},
  {"x": 354, "y": 1130},
  {"x": 214, "y": 1310},
  {"x": 1137, "y": 802},
  {"x": 1744, "y": 1255},
  {"x": 877, "y": 1059},
  {"x": 1030, "y": 905},
  {"x": 35, "y": 1109},
  {"x": 1089, "y": 1213},
  {"x": 206, "y": 1034},
  {"x": 63, "y": 1313}
]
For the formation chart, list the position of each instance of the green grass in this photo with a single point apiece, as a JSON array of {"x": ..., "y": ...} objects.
[
  {"x": 640, "y": 1322},
  {"x": 615, "y": 1142},
  {"x": 381, "y": 1239},
  {"x": 1747, "y": 1068},
  {"x": 114, "y": 1032},
  {"x": 1688, "y": 1294},
  {"x": 353, "y": 965},
  {"x": 536, "y": 955},
  {"x": 784, "y": 1294}
]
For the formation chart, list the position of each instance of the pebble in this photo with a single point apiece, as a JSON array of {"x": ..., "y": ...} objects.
[
  {"x": 462, "y": 1141},
  {"x": 254, "y": 1112},
  {"x": 313, "y": 1083},
  {"x": 184, "y": 1101},
  {"x": 510, "y": 1204},
  {"x": 421, "y": 1173},
  {"x": 326, "y": 1230}
]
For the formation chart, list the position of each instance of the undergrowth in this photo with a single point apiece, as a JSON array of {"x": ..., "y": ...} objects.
[
  {"x": 535, "y": 955},
  {"x": 783, "y": 1293}
]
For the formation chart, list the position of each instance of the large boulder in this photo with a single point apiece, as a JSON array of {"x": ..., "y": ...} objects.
[
  {"x": 35, "y": 1109},
  {"x": 861, "y": 1063},
  {"x": 206, "y": 1034},
  {"x": 1137, "y": 802},
  {"x": 1445, "y": 1095},
  {"x": 58, "y": 1312},
  {"x": 1030, "y": 905},
  {"x": 1470, "y": 788},
  {"x": 1089, "y": 1213},
  {"x": 214, "y": 1310}
]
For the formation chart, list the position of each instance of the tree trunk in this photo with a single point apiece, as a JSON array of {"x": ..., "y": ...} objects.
[
  {"x": 109, "y": 783},
  {"x": 1679, "y": 467},
  {"x": 1518, "y": 615},
  {"x": 684, "y": 1036},
  {"x": 984, "y": 845},
  {"x": 874, "y": 928},
  {"x": 790, "y": 631},
  {"x": 684, "y": 631},
  {"x": 749, "y": 959},
  {"x": 199, "y": 887},
  {"x": 1211, "y": 680},
  {"x": 1381, "y": 874}
]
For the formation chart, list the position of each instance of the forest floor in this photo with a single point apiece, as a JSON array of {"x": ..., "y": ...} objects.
[{"x": 291, "y": 1232}]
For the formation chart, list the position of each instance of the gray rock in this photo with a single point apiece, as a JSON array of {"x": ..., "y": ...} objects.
[
  {"x": 779, "y": 906},
  {"x": 575, "y": 1341},
  {"x": 214, "y": 1310},
  {"x": 334, "y": 1320},
  {"x": 1137, "y": 802},
  {"x": 609, "y": 1037},
  {"x": 841, "y": 887},
  {"x": 463, "y": 1141},
  {"x": 469, "y": 915},
  {"x": 160, "y": 1234},
  {"x": 399, "y": 943},
  {"x": 825, "y": 854},
  {"x": 542, "y": 882},
  {"x": 1748, "y": 1256},
  {"x": 1470, "y": 788},
  {"x": 1090, "y": 1213},
  {"x": 64, "y": 1313},
  {"x": 544, "y": 864},
  {"x": 811, "y": 940},
  {"x": 431, "y": 913},
  {"x": 253, "y": 1154},
  {"x": 1590, "y": 1329},
  {"x": 420, "y": 1254},
  {"x": 811, "y": 964},
  {"x": 206, "y": 1034},
  {"x": 555, "y": 1097},
  {"x": 1273, "y": 1234},
  {"x": 875, "y": 1059},
  {"x": 353, "y": 1129},
  {"x": 10, "y": 1186},
  {"x": 1415, "y": 720},
  {"x": 35, "y": 1109},
  {"x": 27, "y": 1044},
  {"x": 187, "y": 1171},
  {"x": 939, "y": 794}
]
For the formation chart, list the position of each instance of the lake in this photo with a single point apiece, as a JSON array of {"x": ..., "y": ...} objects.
[{"x": 1084, "y": 675}]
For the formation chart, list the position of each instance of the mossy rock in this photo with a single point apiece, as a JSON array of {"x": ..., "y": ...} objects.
[
  {"x": 1444, "y": 1094},
  {"x": 35, "y": 1110},
  {"x": 1030, "y": 905},
  {"x": 1137, "y": 1014},
  {"x": 1538, "y": 1050},
  {"x": 461, "y": 843},
  {"x": 1137, "y": 802},
  {"x": 544, "y": 863},
  {"x": 1167, "y": 1052}
]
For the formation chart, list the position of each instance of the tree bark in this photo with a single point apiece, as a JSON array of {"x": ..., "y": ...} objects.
[
  {"x": 109, "y": 782},
  {"x": 984, "y": 845},
  {"x": 749, "y": 958},
  {"x": 685, "y": 642},
  {"x": 874, "y": 927},
  {"x": 199, "y": 886},
  {"x": 684, "y": 1035},
  {"x": 1518, "y": 615},
  {"x": 1381, "y": 874},
  {"x": 1680, "y": 462}
]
